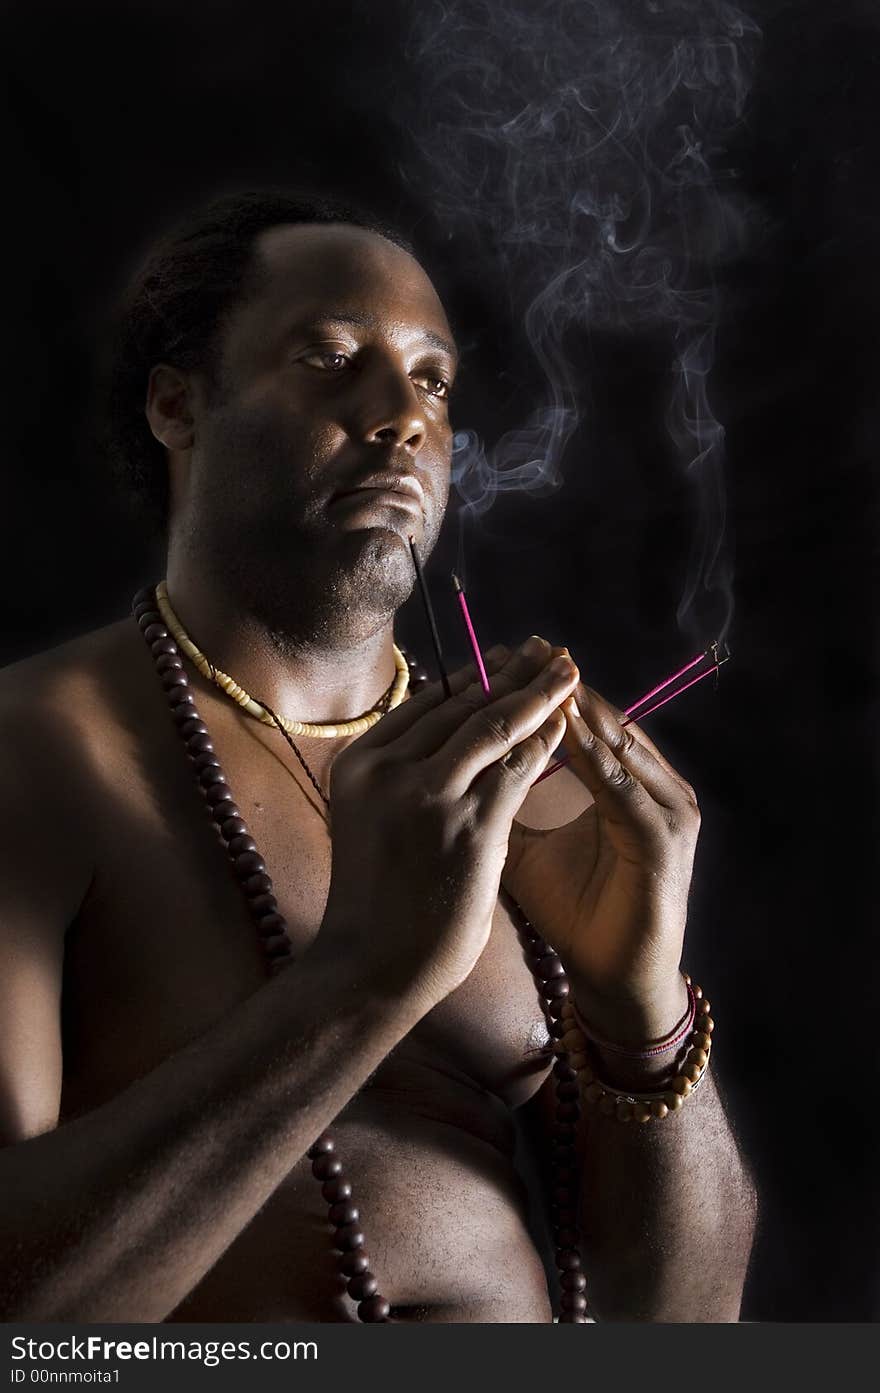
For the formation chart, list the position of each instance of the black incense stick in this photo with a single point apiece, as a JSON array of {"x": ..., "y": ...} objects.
[{"x": 432, "y": 623}]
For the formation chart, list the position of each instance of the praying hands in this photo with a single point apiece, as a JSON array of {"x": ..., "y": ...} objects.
[{"x": 610, "y": 888}]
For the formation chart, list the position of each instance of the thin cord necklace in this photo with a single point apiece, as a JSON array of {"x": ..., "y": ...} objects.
[
  {"x": 299, "y": 756},
  {"x": 346, "y": 1234},
  {"x": 290, "y": 742},
  {"x": 416, "y": 679}
]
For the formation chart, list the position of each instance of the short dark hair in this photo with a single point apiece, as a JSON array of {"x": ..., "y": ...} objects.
[{"x": 175, "y": 306}]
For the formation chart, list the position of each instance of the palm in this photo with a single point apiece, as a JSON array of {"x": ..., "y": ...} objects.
[{"x": 583, "y": 893}]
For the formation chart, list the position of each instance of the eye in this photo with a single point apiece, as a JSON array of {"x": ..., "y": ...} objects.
[
  {"x": 328, "y": 359},
  {"x": 435, "y": 386}
]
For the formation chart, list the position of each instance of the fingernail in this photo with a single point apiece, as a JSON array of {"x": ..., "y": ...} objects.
[{"x": 533, "y": 646}]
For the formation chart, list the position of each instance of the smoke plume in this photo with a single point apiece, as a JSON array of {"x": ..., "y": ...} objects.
[{"x": 581, "y": 147}]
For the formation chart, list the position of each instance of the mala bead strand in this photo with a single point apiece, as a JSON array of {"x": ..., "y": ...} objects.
[
  {"x": 348, "y": 1236},
  {"x": 418, "y": 677},
  {"x": 248, "y": 866},
  {"x": 553, "y": 991},
  {"x": 250, "y": 871}
]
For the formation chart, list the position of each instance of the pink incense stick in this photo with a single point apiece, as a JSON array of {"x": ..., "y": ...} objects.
[
  {"x": 660, "y": 685},
  {"x": 471, "y": 635},
  {"x": 678, "y": 691},
  {"x": 713, "y": 649}
]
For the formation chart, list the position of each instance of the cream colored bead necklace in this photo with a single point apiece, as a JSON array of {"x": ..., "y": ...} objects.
[{"x": 227, "y": 684}]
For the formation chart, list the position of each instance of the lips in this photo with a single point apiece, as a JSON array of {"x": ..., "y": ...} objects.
[
  {"x": 402, "y": 489},
  {"x": 380, "y": 497}
]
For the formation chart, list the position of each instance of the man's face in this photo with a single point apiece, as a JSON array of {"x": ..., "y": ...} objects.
[{"x": 335, "y": 370}]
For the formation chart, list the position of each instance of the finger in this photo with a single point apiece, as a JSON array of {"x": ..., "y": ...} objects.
[
  {"x": 613, "y": 732},
  {"x": 618, "y": 792},
  {"x": 395, "y": 723},
  {"x": 492, "y": 731},
  {"x": 617, "y": 717},
  {"x": 615, "y": 760},
  {"x": 433, "y": 729},
  {"x": 504, "y": 785}
]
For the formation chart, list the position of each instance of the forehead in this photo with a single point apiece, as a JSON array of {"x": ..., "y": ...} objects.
[{"x": 314, "y": 269}]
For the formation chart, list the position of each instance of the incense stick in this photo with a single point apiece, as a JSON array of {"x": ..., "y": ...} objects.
[
  {"x": 678, "y": 691},
  {"x": 463, "y": 605},
  {"x": 713, "y": 648},
  {"x": 432, "y": 623},
  {"x": 660, "y": 685}
]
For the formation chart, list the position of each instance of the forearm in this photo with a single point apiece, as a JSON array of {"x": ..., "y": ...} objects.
[
  {"x": 668, "y": 1214},
  {"x": 117, "y": 1215}
]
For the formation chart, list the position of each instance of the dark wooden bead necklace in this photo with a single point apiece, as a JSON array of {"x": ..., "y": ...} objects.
[{"x": 249, "y": 869}]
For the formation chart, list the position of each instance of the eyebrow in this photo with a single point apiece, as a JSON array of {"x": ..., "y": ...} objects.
[{"x": 369, "y": 321}]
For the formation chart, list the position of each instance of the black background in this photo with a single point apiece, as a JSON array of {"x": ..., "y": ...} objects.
[{"x": 118, "y": 116}]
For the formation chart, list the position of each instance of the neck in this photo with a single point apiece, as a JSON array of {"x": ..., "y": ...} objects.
[{"x": 331, "y": 677}]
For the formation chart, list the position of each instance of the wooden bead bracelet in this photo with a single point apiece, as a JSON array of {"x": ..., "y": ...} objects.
[{"x": 625, "y": 1104}]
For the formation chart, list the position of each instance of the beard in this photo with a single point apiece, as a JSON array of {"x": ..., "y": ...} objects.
[
  {"x": 313, "y": 597},
  {"x": 307, "y": 582}
]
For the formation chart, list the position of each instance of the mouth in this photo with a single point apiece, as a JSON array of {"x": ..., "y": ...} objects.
[{"x": 379, "y": 496}]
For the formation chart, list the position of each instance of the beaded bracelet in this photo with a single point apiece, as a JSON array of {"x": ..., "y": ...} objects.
[
  {"x": 668, "y": 1043},
  {"x": 624, "y": 1104}
]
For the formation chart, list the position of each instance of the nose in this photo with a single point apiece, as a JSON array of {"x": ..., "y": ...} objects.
[{"x": 392, "y": 412}]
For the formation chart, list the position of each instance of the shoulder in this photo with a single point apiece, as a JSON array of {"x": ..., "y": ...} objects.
[
  {"x": 59, "y": 710},
  {"x": 64, "y": 681},
  {"x": 68, "y": 718}
]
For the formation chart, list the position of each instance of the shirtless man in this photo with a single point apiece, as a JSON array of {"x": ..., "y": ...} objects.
[{"x": 158, "y": 1093}]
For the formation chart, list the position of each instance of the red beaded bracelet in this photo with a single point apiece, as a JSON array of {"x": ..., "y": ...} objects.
[
  {"x": 624, "y": 1104},
  {"x": 668, "y": 1042}
]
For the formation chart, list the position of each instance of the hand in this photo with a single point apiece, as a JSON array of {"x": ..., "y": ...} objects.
[
  {"x": 609, "y": 890},
  {"x": 421, "y": 808}
]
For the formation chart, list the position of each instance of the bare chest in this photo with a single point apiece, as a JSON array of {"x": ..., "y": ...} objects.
[{"x": 164, "y": 945}]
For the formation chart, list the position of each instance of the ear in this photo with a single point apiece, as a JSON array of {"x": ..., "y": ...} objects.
[{"x": 169, "y": 407}]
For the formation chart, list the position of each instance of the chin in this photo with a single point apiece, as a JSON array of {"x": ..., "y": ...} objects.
[
  {"x": 380, "y": 568},
  {"x": 343, "y": 591}
]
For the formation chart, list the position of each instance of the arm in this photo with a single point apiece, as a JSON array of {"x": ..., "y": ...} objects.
[
  {"x": 119, "y": 1213},
  {"x": 667, "y": 1209},
  {"x": 668, "y": 1212}
]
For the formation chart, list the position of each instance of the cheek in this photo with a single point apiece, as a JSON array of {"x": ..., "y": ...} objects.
[
  {"x": 270, "y": 439},
  {"x": 440, "y": 471},
  {"x": 440, "y": 484}
]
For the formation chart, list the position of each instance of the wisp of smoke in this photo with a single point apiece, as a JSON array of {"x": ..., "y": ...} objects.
[{"x": 581, "y": 143}]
